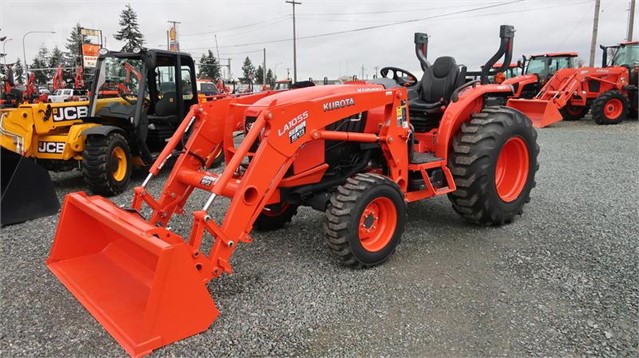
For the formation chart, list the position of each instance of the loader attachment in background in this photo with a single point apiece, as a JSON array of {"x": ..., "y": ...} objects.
[
  {"x": 27, "y": 190},
  {"x": 541, "y": 112},
  {"x": 139, "y": 281}
]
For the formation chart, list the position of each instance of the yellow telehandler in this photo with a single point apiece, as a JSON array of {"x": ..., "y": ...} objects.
[{"x": 137, "y": 101}]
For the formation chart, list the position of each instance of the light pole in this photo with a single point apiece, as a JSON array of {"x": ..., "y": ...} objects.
[
  {"x": 24, "y": 51},
  {"x": 4, "y": 44},
  {"x": 293, "y": 2}
]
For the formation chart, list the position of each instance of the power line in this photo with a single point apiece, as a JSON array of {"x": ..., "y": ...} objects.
[
  {"x": 238, "y": 27},
  {"x": 377, "y": 26}
]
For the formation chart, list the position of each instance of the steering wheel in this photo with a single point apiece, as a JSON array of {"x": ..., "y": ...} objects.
[{"x": 399, "y": 76}]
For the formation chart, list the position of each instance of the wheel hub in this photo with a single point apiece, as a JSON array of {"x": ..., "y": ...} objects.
[
  {"x": 377, "y": 224},
  {"x": 613, "y": 108},
  {"x": 118, "y": 156},
  {"x": 511, "y": 171}
]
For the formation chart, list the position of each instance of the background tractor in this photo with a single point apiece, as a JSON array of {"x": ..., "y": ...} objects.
[
  {"x": 358, "y": 152},
  {"x": 611, "y": 91},
  {"x": 537, "y": 70}
]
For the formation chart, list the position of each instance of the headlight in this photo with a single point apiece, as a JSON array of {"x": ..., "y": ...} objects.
[{"x": 103, "y": 51}]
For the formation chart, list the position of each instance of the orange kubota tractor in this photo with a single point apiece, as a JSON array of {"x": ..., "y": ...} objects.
[
  {"x": 537, "y": 70},
  {"x": 359, "y": 152},
  {"x": 611, "y": 91}
]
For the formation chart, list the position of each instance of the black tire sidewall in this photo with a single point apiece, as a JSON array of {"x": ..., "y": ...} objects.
[{"x": 373, "y": 258}]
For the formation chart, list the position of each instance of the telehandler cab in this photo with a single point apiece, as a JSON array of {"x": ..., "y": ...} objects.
[{"x": 359, "y": 152}]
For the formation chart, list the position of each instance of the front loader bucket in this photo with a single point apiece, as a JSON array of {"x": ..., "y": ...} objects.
[
  {"x": 27, "y": 191},
  {"x": 139, "y": 281},
  {"x": 541, "y": 112}
]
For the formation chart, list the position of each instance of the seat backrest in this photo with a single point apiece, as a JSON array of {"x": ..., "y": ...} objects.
[
  {"x": 167, "y": 105},
  {"x": 439, "y": 80}
]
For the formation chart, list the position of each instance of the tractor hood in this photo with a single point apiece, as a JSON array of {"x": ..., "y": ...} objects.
[{"x": 315, "y": 93}]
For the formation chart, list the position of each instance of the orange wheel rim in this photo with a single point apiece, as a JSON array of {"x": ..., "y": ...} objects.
[
  {"x": 119, "y": 159},
  {"x": 613, "y": 108},
  {"x": 377, "y": 224},
  {"x": 512, "y": 168}
]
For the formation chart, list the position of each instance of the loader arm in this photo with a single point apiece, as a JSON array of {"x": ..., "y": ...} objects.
[
  {"x": 143, "y": 282},
  {"x": 282, "y": 130}
]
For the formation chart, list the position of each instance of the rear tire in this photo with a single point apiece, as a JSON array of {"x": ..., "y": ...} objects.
[
  {"x": 365, "y": 220},
  {"x": 611, "y": 107},
  {"x": 493, "y": 162},
  {"x": 275, "y": 216},
  {"x": 106, "y": 164},
  {"x": 573, "y": 113}
]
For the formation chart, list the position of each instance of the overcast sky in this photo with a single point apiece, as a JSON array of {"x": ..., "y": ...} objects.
[{"x": 465, "y": 29}]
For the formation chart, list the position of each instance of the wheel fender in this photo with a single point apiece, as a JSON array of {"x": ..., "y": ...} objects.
[
  {"x": 469, "y": 102},
  {"x": 102, "y": 130}
]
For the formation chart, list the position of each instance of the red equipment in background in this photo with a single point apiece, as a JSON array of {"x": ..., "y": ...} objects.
[{"x": 611, "y": 91}]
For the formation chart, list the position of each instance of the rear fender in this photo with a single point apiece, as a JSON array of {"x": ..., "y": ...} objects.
[
  {"x": 469, "y": 101},
  {"x": 101, "y": 130}
]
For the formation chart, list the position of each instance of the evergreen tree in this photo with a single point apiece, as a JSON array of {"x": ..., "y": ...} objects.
[
  {"x": 18, "y": 72},
  {"x": 248, "y": 70},
  {"x": 40, "y": 62},
  {"x": 270, "y": 78},
  {"x": 73, "y": 53},
  {"x": 209, "y": 67},
  {"x": 259, "y": 73},
  {"x": 130, "y": 31}
]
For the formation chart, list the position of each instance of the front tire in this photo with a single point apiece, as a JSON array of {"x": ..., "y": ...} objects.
[
  {"x": 611, "y": 107},
  {"x": 493, "y": 162},
  {"x": 365, "y": 220},
  {"x": 275, "y": 216},
  {"x": 106, "y": 164},
  {"x": 573, "y": 113}
]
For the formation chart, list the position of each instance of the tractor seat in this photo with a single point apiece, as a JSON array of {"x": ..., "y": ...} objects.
[
  {"x": 165, "y": 110},
  {"x": 433, "y": 92}
]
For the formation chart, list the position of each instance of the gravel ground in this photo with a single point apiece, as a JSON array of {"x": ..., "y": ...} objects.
[{"x": 561, "y": 281}]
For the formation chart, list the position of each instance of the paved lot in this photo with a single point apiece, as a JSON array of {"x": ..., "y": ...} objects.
[{"x": 562, "y": 280}]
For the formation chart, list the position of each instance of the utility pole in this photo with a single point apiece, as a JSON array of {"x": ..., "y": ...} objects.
[
  {"x": 595, "y": 27},
  {"x": 264, "y": 69},
  {"x": 177, "y": 42},
  {"x": 217, "y": 48},
  {"x": 363, "y": 72},
  {"x": 293, "y": 2},
  {"x": 631, "y": 20}
]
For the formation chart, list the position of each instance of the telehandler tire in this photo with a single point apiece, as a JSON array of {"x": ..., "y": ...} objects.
[
  {"x": 493, "y": 162},
  {"x": 365, "y": 220},
  {"x": 610, "y": 107},
  {"x": 106, "y": 164},
  {"x": 275, "y": 216}
]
